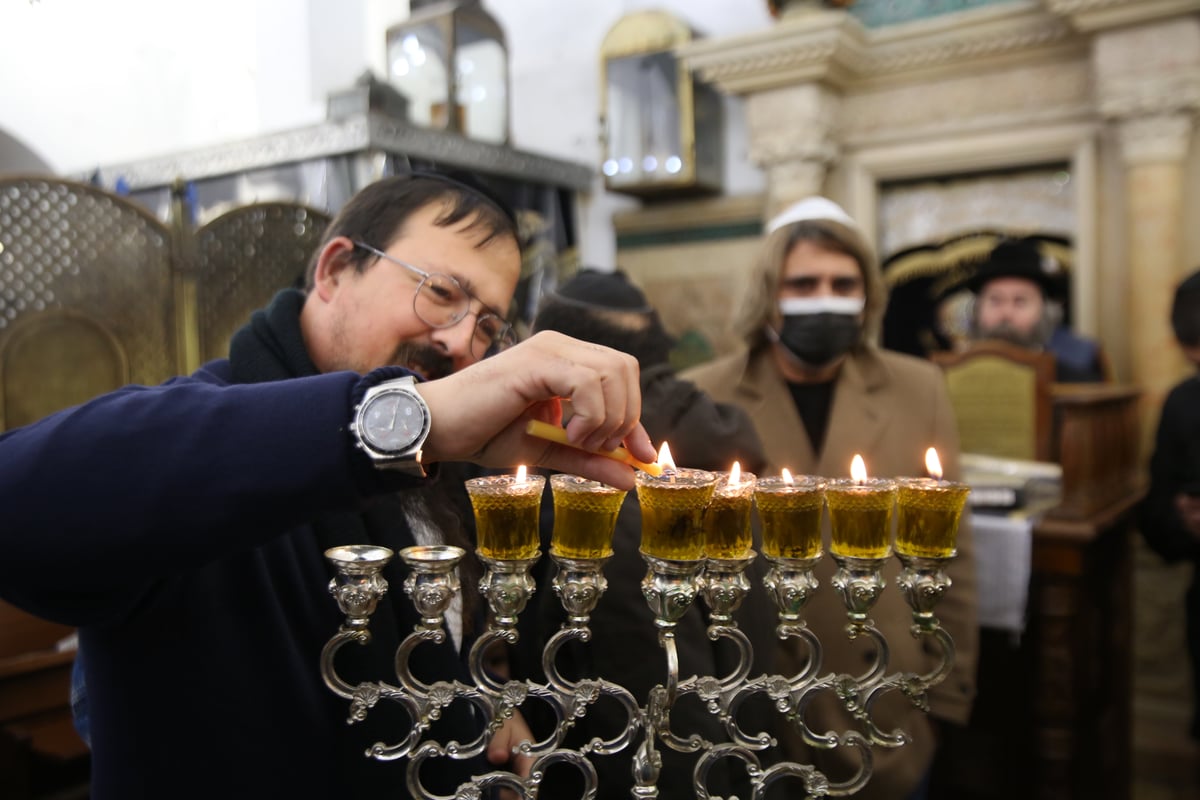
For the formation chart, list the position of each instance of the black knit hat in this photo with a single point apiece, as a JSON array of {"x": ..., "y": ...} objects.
[
  {"x": 611, "y": 291},
  {"x": 1190, "y": 284},
  {"x": 1014, "y": 258}
]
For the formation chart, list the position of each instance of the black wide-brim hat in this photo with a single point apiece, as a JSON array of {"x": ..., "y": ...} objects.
[{"x": 1014, "y": 258}]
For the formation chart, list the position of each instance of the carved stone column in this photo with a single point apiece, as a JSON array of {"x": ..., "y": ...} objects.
[
  {"x": 1148, "y": 80},
  {"x": 1153, "y": 149},
  {"x": 792, "y": 138}
]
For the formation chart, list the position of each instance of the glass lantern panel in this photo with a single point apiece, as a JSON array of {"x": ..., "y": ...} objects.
[
  {"x": 482, "y": 72},
  {"x": 644, "y": 128},
  {"x": 417, "y": 67}
]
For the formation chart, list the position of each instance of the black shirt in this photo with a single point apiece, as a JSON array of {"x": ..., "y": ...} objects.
[{"x": 813, "y": 401}]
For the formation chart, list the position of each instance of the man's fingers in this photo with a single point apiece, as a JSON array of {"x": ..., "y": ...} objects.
[
  {"x": 478, "y": 411},
  {"x": 563, "y": 458}
]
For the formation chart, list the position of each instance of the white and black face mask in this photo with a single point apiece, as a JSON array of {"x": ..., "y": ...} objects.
[{"x": 819, "y": 330}]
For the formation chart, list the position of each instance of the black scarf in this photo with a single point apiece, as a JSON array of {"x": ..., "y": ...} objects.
[{"x": 270, "y": 348}]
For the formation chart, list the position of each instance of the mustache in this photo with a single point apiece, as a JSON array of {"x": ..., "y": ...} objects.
[{"x": 423, "y": 358}]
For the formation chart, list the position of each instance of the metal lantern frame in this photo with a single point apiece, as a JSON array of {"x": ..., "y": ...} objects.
[
  {"x": 650, "y": 35},
  {"x": 450, "y": 19}
]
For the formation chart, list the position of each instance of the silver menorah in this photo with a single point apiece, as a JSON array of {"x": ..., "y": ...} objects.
[{"x": 695, "y": 540}]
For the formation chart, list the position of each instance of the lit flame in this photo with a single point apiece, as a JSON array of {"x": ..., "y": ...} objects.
[
  {"x": 521, "y": 474},
  {"x": 933, "y": 464},
  {"x": 858, "y": 469},
  {"x": 735, "y": 474},
  {"x": 664, "y": 458},
  {"x": 787, "y": 476}
]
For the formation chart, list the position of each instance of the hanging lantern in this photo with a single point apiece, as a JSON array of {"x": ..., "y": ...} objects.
[{"x": 450, "y": 60}]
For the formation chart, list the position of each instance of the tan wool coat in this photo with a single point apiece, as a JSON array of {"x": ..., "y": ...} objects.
[{"x": 889, "y": 408}]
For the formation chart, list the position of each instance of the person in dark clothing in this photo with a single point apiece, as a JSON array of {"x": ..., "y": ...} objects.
[
  {"x": 182, "y": 527},
  {"x": 1013, "y": 301},
  {"x": 606, "y": 308},
  {"x": 1169, "y": 516}
]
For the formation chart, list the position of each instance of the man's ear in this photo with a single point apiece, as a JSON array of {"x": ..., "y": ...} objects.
[{"x": 335, "y": 258}]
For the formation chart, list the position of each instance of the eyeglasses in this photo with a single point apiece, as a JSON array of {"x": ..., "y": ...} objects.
[{"x": 440, "y": 301}]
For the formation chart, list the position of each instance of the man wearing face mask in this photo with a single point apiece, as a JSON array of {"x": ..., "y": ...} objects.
[{"x": 820, "y": 391}]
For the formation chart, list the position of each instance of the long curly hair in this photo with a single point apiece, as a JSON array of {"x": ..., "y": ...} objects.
[{"x": 756, "y": 307}]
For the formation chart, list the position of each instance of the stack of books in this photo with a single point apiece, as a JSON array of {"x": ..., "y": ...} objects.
[{"x": 1004, "y": 485}]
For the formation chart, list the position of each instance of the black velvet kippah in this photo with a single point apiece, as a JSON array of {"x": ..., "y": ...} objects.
[{"x": 471, "y": 183}]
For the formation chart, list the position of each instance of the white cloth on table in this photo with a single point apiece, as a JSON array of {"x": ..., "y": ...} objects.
[{"x": 1003, "y": 549}]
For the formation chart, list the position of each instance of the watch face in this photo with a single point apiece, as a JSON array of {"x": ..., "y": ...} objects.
[{"x": 392, "y": 421}]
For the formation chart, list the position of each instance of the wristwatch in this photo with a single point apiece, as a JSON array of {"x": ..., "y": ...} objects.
[{"x": 391, "y": 425}]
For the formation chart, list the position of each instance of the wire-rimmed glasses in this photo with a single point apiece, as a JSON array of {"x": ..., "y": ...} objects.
[{"x": 440, "y": 301}]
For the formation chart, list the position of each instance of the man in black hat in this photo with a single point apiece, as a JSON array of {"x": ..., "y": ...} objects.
[{"x": 1013, "y": 301}]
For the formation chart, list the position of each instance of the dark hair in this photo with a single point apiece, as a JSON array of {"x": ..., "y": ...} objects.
[
  {"x": 376, "y": 215},
  {"x": 1185, "y": 311}
]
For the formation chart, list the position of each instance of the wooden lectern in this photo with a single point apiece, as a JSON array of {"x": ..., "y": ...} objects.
[{"x": 1053, "y": 715}]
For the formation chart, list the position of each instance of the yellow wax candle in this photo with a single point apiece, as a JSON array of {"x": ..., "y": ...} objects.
[
  {"x": 506, "y": 515},
  {"x": 927, "y": 516},
  {"x": 585, "y": 514},
  {"x": 673, "y": 512},
  {"x": 727, "y": 518},
  {"x": 790, "y": 510},
  {"x": 553, "y": 433},
  {"x": 860, "y": 516}
]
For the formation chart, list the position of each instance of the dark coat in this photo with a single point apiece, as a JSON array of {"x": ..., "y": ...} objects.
[
  {"x": 182, "y": 528},
  {"x": 1175, "y": 467},
  {"x": 624, "y": 647}
]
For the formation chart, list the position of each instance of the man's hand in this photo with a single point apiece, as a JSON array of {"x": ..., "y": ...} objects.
[
  {"x": 1189, "y": 511},
  {"x": 500, "y": 749},
  {"x": 479, "y": 413}
]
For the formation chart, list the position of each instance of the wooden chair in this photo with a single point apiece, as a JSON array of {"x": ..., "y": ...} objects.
[
  {"x": 1069, "y": 676},
  {"x": 1001, "y": 395}
]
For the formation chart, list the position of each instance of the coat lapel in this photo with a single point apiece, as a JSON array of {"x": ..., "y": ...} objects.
[
  {"x": 767, "y": 399},
  {"x": 858, "y": 419}
]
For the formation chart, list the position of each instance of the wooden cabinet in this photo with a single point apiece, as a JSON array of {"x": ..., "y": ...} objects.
[{"x": 1053, "y": 717}]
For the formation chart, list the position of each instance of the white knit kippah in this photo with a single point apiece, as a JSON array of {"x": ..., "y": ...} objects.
[{"x": 812, "y": 208}]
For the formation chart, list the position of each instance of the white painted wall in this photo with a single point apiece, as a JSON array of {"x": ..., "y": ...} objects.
[{"x": 85, "y": 83}]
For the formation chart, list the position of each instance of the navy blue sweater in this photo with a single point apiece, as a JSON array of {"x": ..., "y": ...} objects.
[{"x": 173, "y": 525}]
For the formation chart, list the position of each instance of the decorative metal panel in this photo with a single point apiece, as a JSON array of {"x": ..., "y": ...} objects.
[
  {"x": 77, "y": 261},
  {"x": 243, "y": 258}
]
